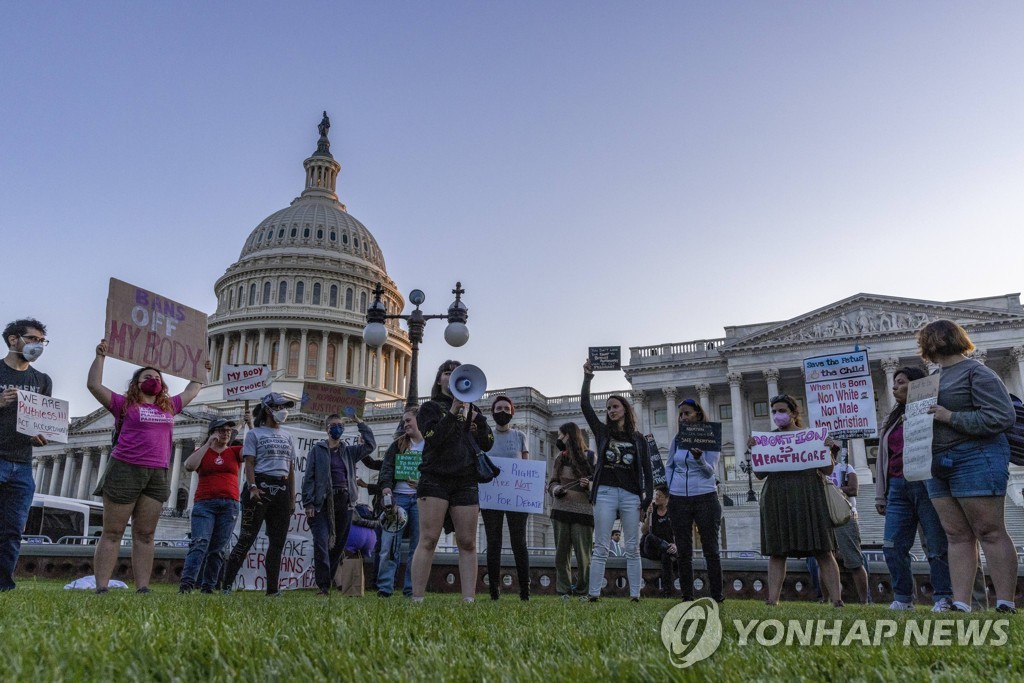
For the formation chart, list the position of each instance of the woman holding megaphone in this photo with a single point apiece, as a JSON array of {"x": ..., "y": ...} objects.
[{"x": 453, "y": 433}]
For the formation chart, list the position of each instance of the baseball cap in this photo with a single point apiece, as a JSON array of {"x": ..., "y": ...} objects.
[
  {"x": 218, "y": 422},
  {"x": 276, "y": 400}
]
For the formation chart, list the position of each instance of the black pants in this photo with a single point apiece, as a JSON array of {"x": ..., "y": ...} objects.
[
  {"x": 654, "y": 548},
  {"x": 327, "y": 557},
  {"x": 706, "y": 512},
  {"x": 275, "y": 508},
  {"x": 517, "y": 537}
]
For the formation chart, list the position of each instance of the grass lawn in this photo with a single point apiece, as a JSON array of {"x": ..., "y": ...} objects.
[{"x": 50, "y": 634}]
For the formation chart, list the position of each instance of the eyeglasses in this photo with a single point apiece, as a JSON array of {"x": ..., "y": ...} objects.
[{"x": 34, "y": 339}]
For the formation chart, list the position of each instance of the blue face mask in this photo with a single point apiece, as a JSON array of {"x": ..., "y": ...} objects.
[{"x": 335, "y": 431}]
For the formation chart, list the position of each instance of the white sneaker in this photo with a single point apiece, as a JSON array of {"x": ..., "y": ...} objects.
[
  {"x": 943, "y": 605},
  {"x": 897, "y": 605}
]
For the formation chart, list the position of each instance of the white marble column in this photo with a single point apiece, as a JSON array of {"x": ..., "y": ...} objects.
[
  {"x": 302, "y": 354},
  {"x": 261, "y": 351},
  {"x": 640, "y": 401},
  {"x": 704, "y": 392},
  {"x": 739, "y": 435},
  {"x": 54, "y": 479},
  {"x": 84, "y": 475},
  {"x": 360, "y": 370},
  {"x": 176, "y": 470},
  {"x": 771, "y": 375},
  {"x": 671, "y": 415},
  {"x": 37, "y": 470},
  {"x": 192, "y": 486},
  {"x": 889, "y": 366},
  {"x": 282, "y": 359},
  {"x": 340, "y": 358},
  {"x": 1017, "y": 353},
  {"x": 104, "y": 457},
  {"x": 69, "y": 469},
  {"x": 321, "y": 365},
  {"x": 980, "y": 355}
]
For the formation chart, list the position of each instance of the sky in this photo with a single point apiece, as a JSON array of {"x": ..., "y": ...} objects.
[{"x": 594, "y": 173}]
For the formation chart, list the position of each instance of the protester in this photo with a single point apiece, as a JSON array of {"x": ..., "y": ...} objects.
[
  {"x": 693, "y": 499},
  {"x": 508, "y": 443},
  {"x": 26, "y": 339},
  {"x": 906, "y": 507},
  {"x": 329, "y": 495},
  {"x": 269, "y": 494},
  {"x": 844, "y": 477},
  {"x": 794, "y": 514},
  {"x": 403, "y": 495},
  {"x": 572, "y": 514},
  {"x": 970, "y": 463},
  {"x": 453, "y": 433},
  {"x": 657, "y": 542},
  {"x": 622, "y": 485},
  {"x": 134, "y": 486},
  {"x": 216, "y": 505}
]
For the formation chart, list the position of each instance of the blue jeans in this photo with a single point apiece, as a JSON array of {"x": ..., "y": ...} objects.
[
  {"x": 16, "y": 489},
  {"x": 907, "y": 505},
  {"x": 611, "y": 500},
  {"x": 212, "y": 523},
  {"x": 391, "y": 547}
]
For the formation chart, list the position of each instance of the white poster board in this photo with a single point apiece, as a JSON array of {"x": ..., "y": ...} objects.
[
  {"x": 519, "y": 487},
  {"x": 790, "y": 451},
  {"x": 917, "y": 428},
  {"x": 245, "y": 382},
  {"x": 840, "y": 396},
  {"x": 41, "y": 414}
]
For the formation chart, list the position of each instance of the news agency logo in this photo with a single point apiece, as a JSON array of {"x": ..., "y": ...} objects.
[{"x": 691, "y": 632}]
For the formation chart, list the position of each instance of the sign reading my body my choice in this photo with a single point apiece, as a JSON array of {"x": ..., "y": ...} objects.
[
  {"x": 245, "y": 382},
  {"x": 840, "y": 397},
  {"x": 145, "y": 328}
]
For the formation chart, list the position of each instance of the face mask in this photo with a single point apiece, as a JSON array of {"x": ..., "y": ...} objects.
[
  {"x": 502, "y": 419},
  {"x": 31, "y": 351},
  {"x": 561, "y": 445},
  {"x": 280, "y": 416},
  {"x": 151, "y": 386},
  {"x": 335, "y": 431},
  {"x": 781, "y": 419}
]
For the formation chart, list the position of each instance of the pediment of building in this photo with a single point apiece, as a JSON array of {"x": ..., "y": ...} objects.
[{"x": 871, "y": 316}]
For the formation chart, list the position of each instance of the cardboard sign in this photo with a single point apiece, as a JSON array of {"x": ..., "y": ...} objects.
[
  {"x": 917, "y": 428},
  {"x": 657, "y": 464},
  {"x": 706, "y": 436},
  {"x": 40, "y": 414},
  {"x": 407, "y": 466},
  {"x": 790, "y": 451},
  {"x": 245, "y": 382},
  {"x": 319, "y": 398},
  {"x": 519, "y": 487},
  {"x": 605, "y": 357},
  {"x": 145, "y": 328},
  {"x": 840, "y": 397}
]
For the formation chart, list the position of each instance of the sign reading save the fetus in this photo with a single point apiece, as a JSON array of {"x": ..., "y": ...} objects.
[{"x": 145, "y": 328}]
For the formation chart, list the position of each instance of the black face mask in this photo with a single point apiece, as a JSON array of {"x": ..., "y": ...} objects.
[
  {"x": 561, "y": 445},
  {"x": 502, "y": 418}
]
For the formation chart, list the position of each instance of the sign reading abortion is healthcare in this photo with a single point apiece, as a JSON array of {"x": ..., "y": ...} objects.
[
  {"x": 145, "y": 328},
  {"x": 789, "y": 451}
]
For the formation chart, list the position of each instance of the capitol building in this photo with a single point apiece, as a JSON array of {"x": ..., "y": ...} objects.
[{"x": 296, "y": 299}]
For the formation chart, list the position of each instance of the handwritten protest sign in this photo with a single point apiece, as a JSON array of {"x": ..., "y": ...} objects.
[
  {"x": 790, "y": 451},
  {"x": 40, "y": 414},
  {"x": 145, "y": 328},
  {"x": 657, "y": 464},
  {"x": 407, "y": 465},
  {"x": 917, "y": 428},
  {"x": 706, "y": 436},
  {"x": 245, "y": 382},
  {"x": 605, "y": 357},
  {"x": 319, "y": 398},
  {"x": 840, "y": 396},
  {"x": 519, "y": 487}
]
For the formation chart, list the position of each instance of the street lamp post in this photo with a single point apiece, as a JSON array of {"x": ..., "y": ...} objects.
[
  {"x": 456, "y": 334},
  {"x": 748, "y": 469}
]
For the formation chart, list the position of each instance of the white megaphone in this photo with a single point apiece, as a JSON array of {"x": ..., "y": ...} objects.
[{"x": 467, "y": 383}]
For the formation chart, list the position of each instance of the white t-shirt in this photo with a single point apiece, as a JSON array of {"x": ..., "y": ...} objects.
[
  {"x": 272, "y": 449},
  {"x": 508, "y": 444},
  {"x": 403, "y": 486},
  {"x": 836, "y": 478}
]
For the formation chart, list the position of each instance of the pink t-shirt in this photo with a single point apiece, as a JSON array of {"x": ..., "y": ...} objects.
[{"x": 145, "y": 438}]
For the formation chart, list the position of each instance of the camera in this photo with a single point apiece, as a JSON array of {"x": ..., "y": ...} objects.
[{"x": 387, "y": 501}]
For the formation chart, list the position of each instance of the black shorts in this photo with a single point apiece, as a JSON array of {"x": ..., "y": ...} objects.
[{"x": 458, "y": 491}]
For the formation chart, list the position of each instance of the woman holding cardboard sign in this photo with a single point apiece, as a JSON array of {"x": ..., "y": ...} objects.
[
  {"x": 693, "y": 498},
  {"x": 794, "y": 514},
  {"x": 400, "y": 492},
  {"x": 135, "y": 485}
]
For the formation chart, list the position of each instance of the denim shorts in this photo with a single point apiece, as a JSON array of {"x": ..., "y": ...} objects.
[
  {"x": 458, "y": 491},
  {"x": 971, "y": 469},
  {"x": 124, "y": 483}
]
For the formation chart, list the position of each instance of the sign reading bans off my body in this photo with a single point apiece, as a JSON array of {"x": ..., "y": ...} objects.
[{"x": 145, "y": 328}]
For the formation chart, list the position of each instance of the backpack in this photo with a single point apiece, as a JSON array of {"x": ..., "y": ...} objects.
[{"x": 1015, "y": 434}]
